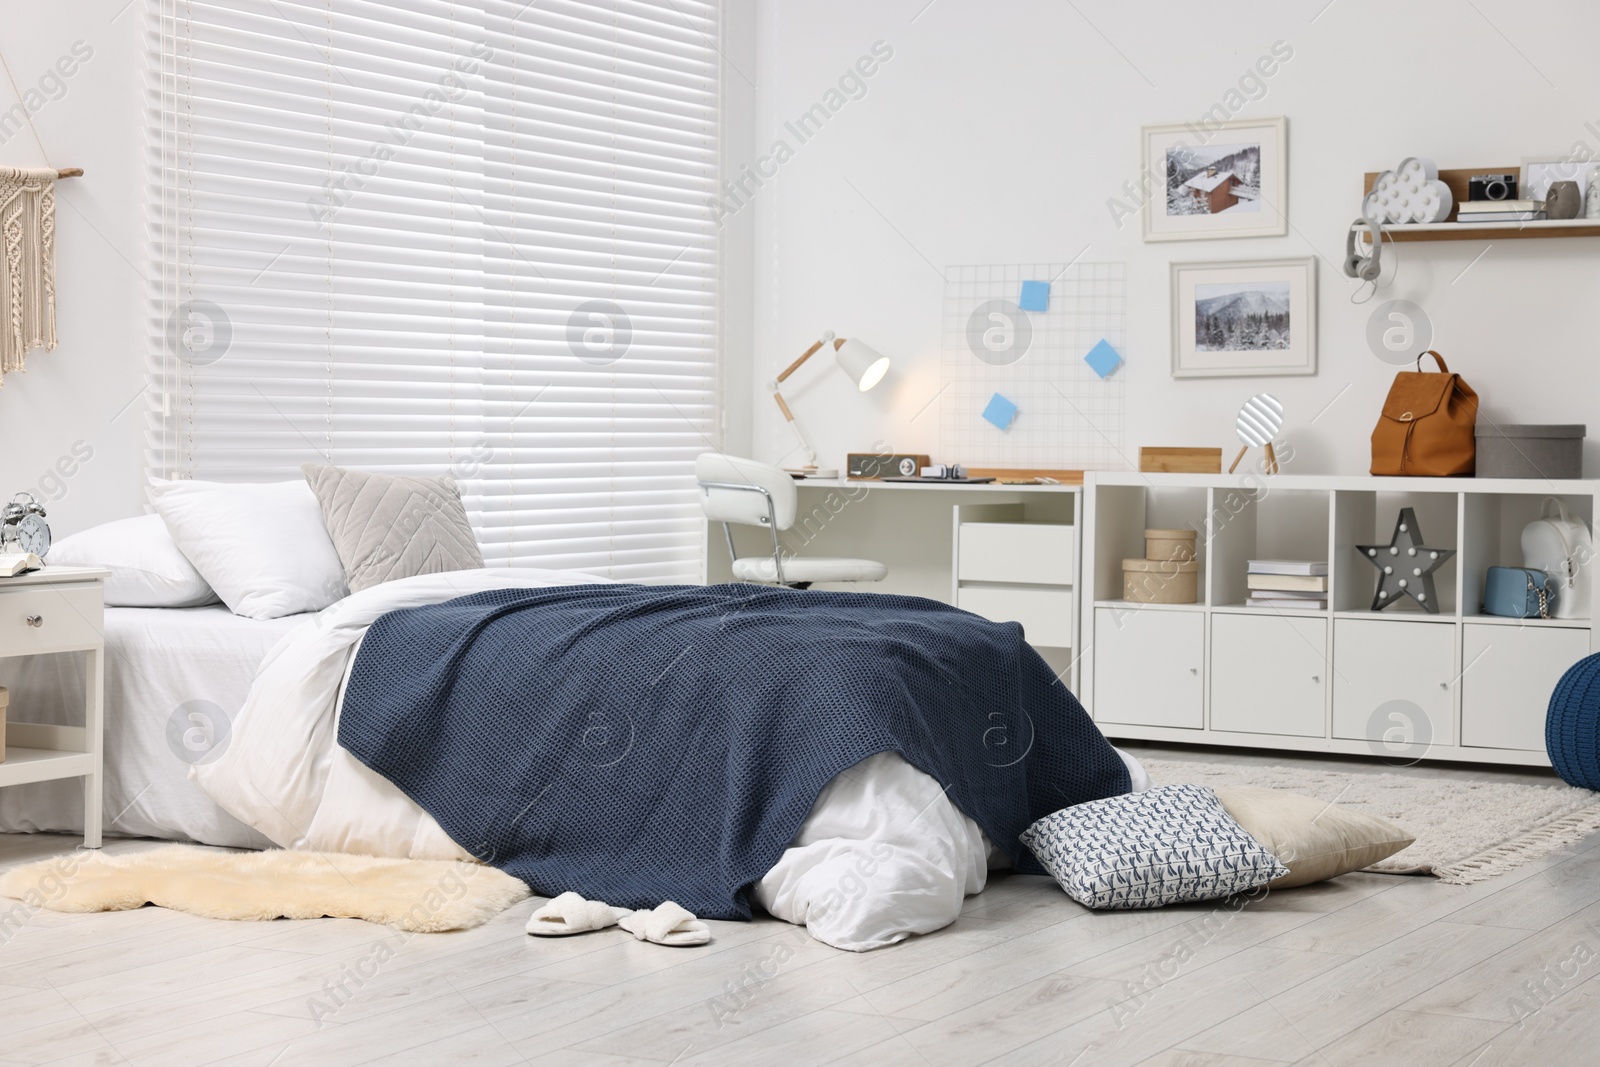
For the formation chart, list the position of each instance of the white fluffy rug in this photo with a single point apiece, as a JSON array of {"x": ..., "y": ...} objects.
[
  {"x": 418, "y": 895},
  {"x": 1466, "y": 831}
]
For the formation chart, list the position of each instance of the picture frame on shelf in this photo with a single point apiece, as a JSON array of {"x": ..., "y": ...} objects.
[
  {"x": 1534, "y": 180},
  {"x": 1228, "y": 179},
  {"x": 1244, "y": 318}
]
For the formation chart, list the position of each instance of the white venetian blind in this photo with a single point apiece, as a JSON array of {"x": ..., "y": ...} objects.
[{"x": 441, "y": 237}]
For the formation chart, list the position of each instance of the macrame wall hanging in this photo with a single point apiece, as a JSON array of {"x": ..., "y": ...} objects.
[{"x": 27, "y": 254}]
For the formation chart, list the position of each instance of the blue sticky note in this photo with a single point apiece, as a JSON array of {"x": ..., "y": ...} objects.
[
  {"x": 1103, "y": 359},
  {"x": 1035, "y": 296},
  {"x": 1000, "y": 412}
]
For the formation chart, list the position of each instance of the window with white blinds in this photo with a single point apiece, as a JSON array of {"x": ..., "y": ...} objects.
[{"x": 432, "y": 237}]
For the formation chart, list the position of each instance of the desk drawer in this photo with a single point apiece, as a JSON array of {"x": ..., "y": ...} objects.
[
  {"x": 1025, "y": 553},
  {"x": 1045, "y": 614},
  {"x": 70, "y": 617}
]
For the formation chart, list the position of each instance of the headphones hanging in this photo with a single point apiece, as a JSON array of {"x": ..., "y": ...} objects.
[
  {"x": 1367, "y": 267},
  {"x": 1357, "y": 265}
]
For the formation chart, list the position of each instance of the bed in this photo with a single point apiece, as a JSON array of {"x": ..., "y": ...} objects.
[{"x": 883, "y": 855}]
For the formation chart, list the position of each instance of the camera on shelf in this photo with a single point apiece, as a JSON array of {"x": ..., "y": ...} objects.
[{"x": 1492, "y": 187}]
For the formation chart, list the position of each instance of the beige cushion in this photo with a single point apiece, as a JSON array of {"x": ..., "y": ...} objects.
[
  {"x": 388, "y": 526},
  {"x": 1311, "y": 837}
]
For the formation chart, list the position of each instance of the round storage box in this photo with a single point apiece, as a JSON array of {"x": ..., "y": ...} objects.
[
  {"x": 1572, "y": 725},
  {"x": 1169, "y": 544},
  {"x": 1160, "y": 581}
]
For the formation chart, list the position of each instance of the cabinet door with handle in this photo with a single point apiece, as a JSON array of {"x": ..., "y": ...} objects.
[
  {"x": 1267, "y": 674},
  {"x": 1394, "y": 684},
  {"x": 1148, "y": 667},
  {"x": 1510, "y": 674}
]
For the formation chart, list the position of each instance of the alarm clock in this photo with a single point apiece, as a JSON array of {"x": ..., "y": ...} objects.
[{"x": 22, "y": 526}]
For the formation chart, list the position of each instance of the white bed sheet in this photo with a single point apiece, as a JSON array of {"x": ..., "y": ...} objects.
[{"x": 157, "y": 661}]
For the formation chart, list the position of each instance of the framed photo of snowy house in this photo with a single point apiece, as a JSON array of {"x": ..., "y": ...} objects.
[
  {"x": 1216, "y": 179},
  {"x": 1244, "y": 318}
]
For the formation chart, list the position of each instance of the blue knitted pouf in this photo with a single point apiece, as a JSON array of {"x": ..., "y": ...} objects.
[{"x": 1572, "y": 727}]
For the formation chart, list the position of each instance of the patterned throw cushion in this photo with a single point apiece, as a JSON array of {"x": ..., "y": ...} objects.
[
  {"x": 1166, "y": 845},
  {"x": 388, "y": 526}
]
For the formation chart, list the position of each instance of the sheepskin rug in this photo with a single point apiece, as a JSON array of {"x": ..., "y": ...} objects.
[{"x": 423, "y": 896}]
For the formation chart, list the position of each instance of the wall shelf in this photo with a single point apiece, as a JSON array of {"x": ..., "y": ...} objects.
[
  {"x": 1488, "y": 231},
  {"x": 1451, "y": 230}
]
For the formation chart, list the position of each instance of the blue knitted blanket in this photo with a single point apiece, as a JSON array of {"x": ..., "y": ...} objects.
[{"x": 645, "y": 743}]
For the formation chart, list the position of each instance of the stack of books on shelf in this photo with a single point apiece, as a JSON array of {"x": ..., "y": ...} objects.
[
  {"x": 1500, "y": 211},
  {"x": 1300, "y": 584}
]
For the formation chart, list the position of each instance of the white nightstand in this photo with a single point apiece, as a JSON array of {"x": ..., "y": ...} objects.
[{"x": 58, "y": 609}]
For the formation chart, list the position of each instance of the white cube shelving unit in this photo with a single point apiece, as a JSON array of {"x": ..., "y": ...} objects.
[{"x": 1457, "y": 685}]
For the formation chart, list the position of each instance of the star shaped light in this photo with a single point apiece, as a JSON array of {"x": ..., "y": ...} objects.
[{"x": 1405, "y": 566}]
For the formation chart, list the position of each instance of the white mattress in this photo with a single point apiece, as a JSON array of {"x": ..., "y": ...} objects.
[{"x": 158, "y": 661}]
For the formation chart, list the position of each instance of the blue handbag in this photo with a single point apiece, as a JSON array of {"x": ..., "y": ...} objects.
[{"x": 1517, "y": 593}]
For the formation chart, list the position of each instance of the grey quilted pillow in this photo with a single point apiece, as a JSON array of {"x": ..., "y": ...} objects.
[
  {"x": 388, "y": 526},
  {"x": 1167, "y": 845}
]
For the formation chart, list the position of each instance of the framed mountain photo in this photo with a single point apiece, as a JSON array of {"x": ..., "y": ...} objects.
[
  {"x": 1244, "y": 317},
  {"x": 1216, "y": 179}
]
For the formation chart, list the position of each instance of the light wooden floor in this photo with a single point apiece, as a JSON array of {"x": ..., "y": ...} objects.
[{"x": 1367, "y": 969}]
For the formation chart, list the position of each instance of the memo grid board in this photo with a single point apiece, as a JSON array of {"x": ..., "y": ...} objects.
[{"x": 1069, "y": 417}]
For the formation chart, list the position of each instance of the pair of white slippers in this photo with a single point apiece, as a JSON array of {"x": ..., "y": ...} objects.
[{"x": 666, "y": 924}]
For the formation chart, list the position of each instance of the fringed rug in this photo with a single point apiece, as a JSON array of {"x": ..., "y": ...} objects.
[
  {"x": 424, "y": 896},
  {"x": 1466, "y": 831}
]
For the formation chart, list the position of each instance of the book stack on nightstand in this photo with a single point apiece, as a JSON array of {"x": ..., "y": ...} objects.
[{"x": 1299, "y": 584}]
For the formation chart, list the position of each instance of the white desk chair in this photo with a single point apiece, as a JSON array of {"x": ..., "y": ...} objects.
[{"x": 755, "y": 494}]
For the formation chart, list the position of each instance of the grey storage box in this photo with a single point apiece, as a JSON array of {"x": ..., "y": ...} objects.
[{"x": 1544, "y": 450}]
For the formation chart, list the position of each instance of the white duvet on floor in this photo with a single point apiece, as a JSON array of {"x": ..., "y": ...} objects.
[{"x": 883, "y": 855}]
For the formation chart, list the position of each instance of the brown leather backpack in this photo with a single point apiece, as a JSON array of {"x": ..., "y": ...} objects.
[{"x": 1428, "y": 424}]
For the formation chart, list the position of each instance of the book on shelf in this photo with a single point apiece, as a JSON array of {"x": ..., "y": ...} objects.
[
  {"x": 1480, "y": 207},
  {"x": 1503, "y": 216},
  {"x": 1288, "y": 566},
  {"x": 1293, "y": 605},
  {"x": 1287, "y": 582},
  {"x": 1289, "y": 594}
]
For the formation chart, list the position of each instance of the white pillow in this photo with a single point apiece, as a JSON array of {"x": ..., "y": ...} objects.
[
  {"x": 147, "y": 568},
  {"x": 262, "y": 547}
]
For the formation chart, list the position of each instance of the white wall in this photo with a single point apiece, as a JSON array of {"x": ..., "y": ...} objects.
[
  {"x": 995, "y": 134},
  {"x": 998, "y": 131},
  {"x": 85, "y": 397}
]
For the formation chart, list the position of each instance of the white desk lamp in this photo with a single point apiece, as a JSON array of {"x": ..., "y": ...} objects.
[{"x": 864, "y": 366}]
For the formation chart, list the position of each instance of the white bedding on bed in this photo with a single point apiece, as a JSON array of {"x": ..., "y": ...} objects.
[
  {"x": 884, "y": 854},
  {"x": 157, "y": 660}
]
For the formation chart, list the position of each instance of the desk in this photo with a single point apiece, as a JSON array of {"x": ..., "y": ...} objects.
[{"x": 914, "y": 528}]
